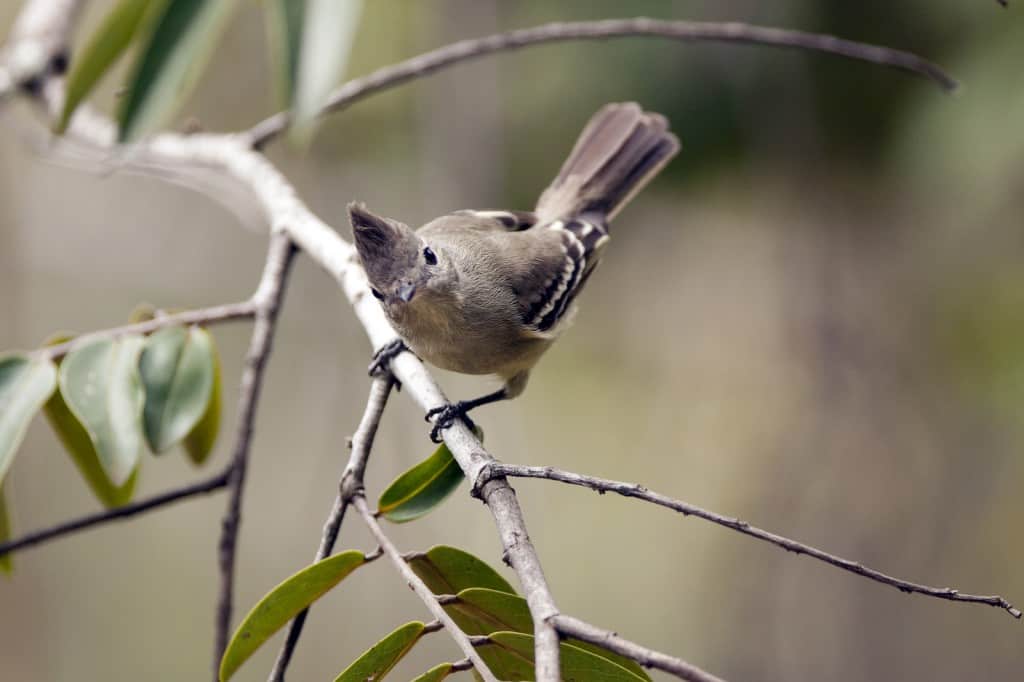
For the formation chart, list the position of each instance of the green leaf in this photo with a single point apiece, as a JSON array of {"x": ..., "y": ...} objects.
[
  {"x": 6, "y": 563},
  {"x": 328, "y": 33},
  {"x": 448, "y": 570},
  {"x": 199, "y": 443},
  {"x": 435, "y": 674},
  {"x": 480, "y": 611},
  {"x": 282, "y": 603},
  {"x": 180, "y": 41},
  {"x": 100, "y": 383},
  {"x": 77, "y": 442},
  {"x": 509, "y": 655},
  {"x": 25, "y": 384},
  {"x": 422, "y": 487},
  {"x": 104, "y": 48},
  {"x": 284, "y": 35},
  {"x": 384, "y": 655},
  {"x": 176, "y": 367}
]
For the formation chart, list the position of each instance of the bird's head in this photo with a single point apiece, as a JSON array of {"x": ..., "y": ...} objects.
[{"x": 401, "y": 266}]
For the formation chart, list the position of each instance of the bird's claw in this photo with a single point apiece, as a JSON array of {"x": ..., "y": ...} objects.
[
  {"x": 381, "y": 363},
  {"x": 446, "y": 416}
]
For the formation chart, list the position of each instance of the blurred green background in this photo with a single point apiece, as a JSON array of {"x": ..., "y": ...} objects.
[{"x": 813, "y": 320}]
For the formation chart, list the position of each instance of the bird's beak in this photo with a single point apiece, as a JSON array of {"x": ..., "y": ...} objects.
[{"x": 406, "y": 292}]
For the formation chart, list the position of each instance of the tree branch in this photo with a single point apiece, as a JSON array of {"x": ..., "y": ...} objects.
[
  {"x": 602, "y": 486},
  {"x": 419, "y": 587},
  {"x": 267, "y": 298},
  {"x": 649, "y": 658},
  {"x": 351, "y": 483},
  {"x": 227, "y": 312},
  {"x": 99, "y": 518},
  {"x": 686, "y": 31}
]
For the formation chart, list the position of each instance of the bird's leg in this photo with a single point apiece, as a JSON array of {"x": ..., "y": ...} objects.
[
  {"x": 381, "y": 363},
  {"x": 447, "y": 414}
]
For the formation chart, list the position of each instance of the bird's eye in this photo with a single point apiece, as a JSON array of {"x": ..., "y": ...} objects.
[
  {"x": 429, "y": 256},
  {"x": 376, "y": 294}
]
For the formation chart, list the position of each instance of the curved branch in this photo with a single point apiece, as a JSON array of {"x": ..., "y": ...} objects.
[
  {"x": 268, "y": 296},
  {"x": 221, "y": 313},
  {"x": 59, "y": 530},
  {"x": 649, "y": 658},
  {"x": 686, "y": 31},
  {"x": 602, "y": 485}
]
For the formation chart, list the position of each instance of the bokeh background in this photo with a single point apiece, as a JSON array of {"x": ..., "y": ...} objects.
[{"x": 813, "y": 320}]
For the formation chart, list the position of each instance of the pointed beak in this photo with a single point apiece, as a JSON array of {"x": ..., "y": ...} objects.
[{"x": 406, "y": 292}]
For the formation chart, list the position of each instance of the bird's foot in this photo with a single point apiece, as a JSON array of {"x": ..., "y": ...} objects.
[
  {"x": 381, "y": 363},
  {"x": 446, "y": 416}
]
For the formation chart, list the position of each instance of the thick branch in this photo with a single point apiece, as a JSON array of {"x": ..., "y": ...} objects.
[
  {"x": 350, "y": 484},
  {"x": 419, "y": 587},
  {"x": 268, "y": 297},
  {"x": 649, "y": 658},
  {"x": 633, "y": 490},
  {"x": 687, "y": 31},
  {"x": 127, "y": 511},
  {"x": 204, "y": 316}
]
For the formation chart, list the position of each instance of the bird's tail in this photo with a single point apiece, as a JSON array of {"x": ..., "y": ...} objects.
[{"x": 619, "y": 151}]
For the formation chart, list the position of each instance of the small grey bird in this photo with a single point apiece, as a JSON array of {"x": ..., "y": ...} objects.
[{"x": 487, "y": 292}]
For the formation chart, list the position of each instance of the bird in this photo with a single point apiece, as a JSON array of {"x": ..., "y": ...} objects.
[{"x": 489, "y": 291}]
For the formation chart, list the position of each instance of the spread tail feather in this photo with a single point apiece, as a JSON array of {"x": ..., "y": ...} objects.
[{"x": 619, "y": 151}]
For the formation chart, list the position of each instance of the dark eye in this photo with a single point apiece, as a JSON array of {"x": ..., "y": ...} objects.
[
  {"x": 376, "y": 294},
  {"x": 429, "y": 256}
]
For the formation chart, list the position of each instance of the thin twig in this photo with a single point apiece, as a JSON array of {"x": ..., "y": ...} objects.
[
  {"x": 687, "y": 31},
  {"x": 280, "y": 255},
  {"x": 640, "y": 492},
  {"x": 219, "y": 313},
  {"x": 351, "y": 483},
  {"x": 99, "y": 518},
  {"x": 649, "y": 658},
  {"x": 420, "y": 588}
]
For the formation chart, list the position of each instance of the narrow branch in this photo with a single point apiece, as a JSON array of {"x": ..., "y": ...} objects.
[
  {"x": 127, "y": 511},
  {"x": 227, "y": 312},
  {"x": 649, "y": 658},
  {"x": 686, "y": 31},
  {"x": 351, "y": 483},
  {"x": 632, "y": 490},
  {"x": 420, "y": 588},
  {"x": 280, "y": 255}
]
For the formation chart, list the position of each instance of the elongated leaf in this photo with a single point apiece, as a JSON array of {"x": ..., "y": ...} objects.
[
  {"x": 328, "y": 33},
  {"x": 480, "y": 611},
  {"x": 509, "y": 655},
  {"x": 6, "y": 563},
  {"x": 176, "y": 367},
  {"x": 104, "y": 48},
  {"x": 199, "y": 443},
  {"x": 78, "y": 444},
  {"x": 384, "y": 655},
  {"x": 448, "y": 570},
  {"x": 422, "y": 487},
  {"x": 174, "y": 51},
  {"x": 285, "y": 19},
  {"x": 435, "y": 674},
  {"x": 25, "y": 384},
  {"x": 100, "y": 383},
  {"x": 282, "y": 603}
]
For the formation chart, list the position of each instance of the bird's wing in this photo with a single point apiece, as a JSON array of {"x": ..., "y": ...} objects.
[{"x": 561, "y": 257}]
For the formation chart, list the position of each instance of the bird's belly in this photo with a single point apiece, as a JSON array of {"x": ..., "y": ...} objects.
[{"x": 504, "y": 352}]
